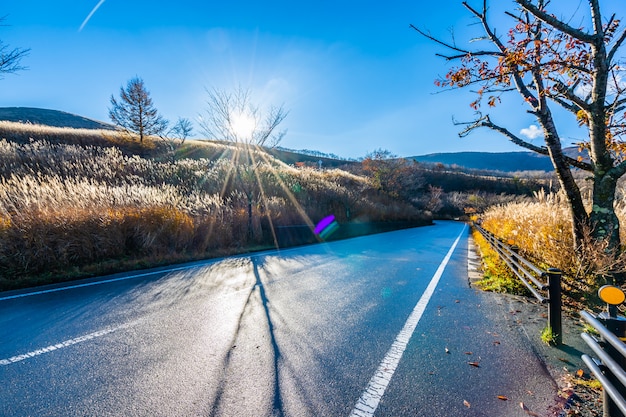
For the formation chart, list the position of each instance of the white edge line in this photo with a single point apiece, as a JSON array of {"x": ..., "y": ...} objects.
[
  {"x": 89, "y": 284},
  {"x": 61, "y": 345},
  {"x": 369, "y": 400},
  {"x": 145, "y": 274}
]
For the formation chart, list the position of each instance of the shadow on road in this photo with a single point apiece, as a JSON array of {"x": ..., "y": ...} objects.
[{"x": 277, "y": 403}]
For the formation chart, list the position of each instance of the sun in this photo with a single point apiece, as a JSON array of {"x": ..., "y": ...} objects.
[{"x": 243, "y": 126}]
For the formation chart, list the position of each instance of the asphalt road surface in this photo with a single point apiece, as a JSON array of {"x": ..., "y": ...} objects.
[{"x": 382, "y": 325}]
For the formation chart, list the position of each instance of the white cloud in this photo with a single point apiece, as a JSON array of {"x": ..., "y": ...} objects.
[{"x": 531, "y": 132}]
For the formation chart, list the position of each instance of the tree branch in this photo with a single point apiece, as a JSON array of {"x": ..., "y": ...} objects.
[
  {"x": 440, "y": 42},
  {"x": 485, "y": 121},
  {"x": 618, "y": 43},
  {"x": 554, "y": 22}
]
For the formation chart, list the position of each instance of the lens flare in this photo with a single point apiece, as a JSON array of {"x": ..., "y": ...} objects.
[{"x": 326, "y": 227}]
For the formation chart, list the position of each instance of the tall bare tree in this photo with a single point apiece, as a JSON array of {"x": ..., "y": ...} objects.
[
  {"x": 135, "y": 111},
  {"x": 233, "y": 117},
  {"x": 10, "y": 58},
  {"x": 549, "y": 62}
]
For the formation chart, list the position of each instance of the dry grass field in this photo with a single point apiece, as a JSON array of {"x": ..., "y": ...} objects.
[{"x": 75, "y": 202}]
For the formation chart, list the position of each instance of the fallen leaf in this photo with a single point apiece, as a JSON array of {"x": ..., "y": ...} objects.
[
  {"x": 580, "y": 373},
  {"x": 466, "y": 403},
  {"x": 476, "y": 364},
  {"x": 502, "y": 397},
  {"x": 527, "y": 410}
]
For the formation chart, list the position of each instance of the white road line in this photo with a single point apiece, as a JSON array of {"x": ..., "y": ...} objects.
[
  {"x": 368, "y": 403},
  {"x": 64, "y": 344},
  {"x": 140, "y": 275},
  {"x": 106, "y": 281}
]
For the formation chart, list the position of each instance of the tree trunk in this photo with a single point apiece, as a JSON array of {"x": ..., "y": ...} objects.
[
  {"x": 603, "y": 220},
  {"x": 580, "y": 220},
  {"x": 250, "y": 229}
]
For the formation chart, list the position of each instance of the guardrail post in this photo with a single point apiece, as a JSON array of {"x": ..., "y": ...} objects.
[
  {"x": 555, "y": 306},
  {"x": 515, "y": 250}
]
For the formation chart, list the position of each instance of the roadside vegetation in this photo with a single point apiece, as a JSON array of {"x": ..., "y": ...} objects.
[
  {"x": 497, "y": 276},
  {"x": 89, "y": 202},
  {"x": 81, "y": 202},
  {"x": 541, "y": 228}
]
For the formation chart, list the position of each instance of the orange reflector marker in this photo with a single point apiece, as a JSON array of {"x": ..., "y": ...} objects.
[{"x": 611, "y": 295}]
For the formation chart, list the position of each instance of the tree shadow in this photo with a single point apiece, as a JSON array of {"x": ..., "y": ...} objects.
[
  {"x": 277, "y": 402},
  {"x": 277, "y": 405}
]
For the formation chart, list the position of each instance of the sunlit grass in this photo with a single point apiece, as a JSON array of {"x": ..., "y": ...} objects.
[
  {"x": 73, "y": 200},
  {"x": 542, "y": 230}
]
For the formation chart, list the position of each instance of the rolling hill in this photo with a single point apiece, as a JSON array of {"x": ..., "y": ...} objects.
[
  {"x": 487, "y": 161},
  {"x": 53, "y": 118},
  {"x": 496, "y": 161}
]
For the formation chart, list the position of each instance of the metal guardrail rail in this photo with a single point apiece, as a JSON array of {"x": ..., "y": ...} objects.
[
  {"x": 531, "y": 277},
  {"x": 609, "y": 367}
]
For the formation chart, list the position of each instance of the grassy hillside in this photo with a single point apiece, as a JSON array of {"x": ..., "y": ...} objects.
[
  {"x": 496, "y": 161},
  {"x": 53, "y": 118},
  {"x": 77, "y": 202},
  {"x": 81, "y": 201}
]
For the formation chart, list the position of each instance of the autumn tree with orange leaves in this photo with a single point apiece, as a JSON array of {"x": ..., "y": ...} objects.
[{"x": 549, "y": 62}]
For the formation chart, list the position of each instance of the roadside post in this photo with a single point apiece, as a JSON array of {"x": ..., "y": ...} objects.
[{"x": 555, "y": 305}]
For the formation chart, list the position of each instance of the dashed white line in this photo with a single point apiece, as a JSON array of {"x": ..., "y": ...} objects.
[
  {"x": 368, "y": 403},
  {"x": 64, "y": 344}
]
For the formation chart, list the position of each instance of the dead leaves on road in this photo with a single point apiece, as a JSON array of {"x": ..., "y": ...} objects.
[
  {"x": 503, "y": 398},
  {"x": 475, "y": 362}
]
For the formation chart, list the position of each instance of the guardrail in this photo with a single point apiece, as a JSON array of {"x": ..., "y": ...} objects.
[
  {"x": 531, "y": 276},
  {"x": 609, "y": 368}
]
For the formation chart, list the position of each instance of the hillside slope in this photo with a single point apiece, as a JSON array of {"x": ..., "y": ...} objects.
[
  {"x": 53, "y": 118},
  {"x": 496, "y": 161}
]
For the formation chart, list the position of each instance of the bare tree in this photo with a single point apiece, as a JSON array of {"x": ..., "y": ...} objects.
[
  {"x": 549, "y": 62},
  {"x": 232, "y": 117},
  {"x": 182, "y": 129},
  {"x": 135, "y": 111},
  {"x": 10, "y": 58}
]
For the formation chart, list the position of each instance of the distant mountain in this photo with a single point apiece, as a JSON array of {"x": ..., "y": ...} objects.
[
  {"x": 48, "y": 117},
  {"x": 491, "y": 161}
]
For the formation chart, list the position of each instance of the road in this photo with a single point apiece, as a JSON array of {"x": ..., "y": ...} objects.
[{"x": 382, "y": 325}]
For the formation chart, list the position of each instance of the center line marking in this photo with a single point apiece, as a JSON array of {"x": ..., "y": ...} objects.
[{"x": 368, "y": 403}]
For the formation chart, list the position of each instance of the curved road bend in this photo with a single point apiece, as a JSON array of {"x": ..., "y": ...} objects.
[{"x": 382, "y": 325}]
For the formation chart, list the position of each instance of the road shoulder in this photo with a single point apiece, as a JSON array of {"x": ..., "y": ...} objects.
[{"x": 529, "y": 318}]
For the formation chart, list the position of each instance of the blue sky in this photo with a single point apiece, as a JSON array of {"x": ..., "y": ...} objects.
[{"x": 353, "y": 75}]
